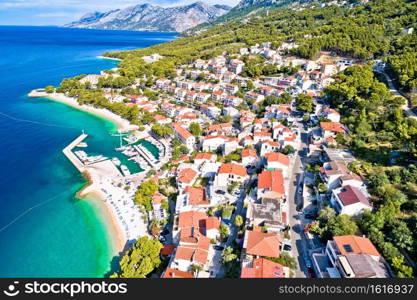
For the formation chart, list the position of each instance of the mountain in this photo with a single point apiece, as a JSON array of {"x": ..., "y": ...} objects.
[{"x": 148, "y": 17}]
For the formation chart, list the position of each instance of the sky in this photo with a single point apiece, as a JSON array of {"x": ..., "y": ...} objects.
[{"x": 60, "y": 12}]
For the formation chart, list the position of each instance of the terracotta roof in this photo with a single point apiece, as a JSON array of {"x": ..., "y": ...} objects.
[
  {"x": 167, "y": 250},
  {"x": 332, "y": 126},
  {"x": 186, "y": 175},
  {"x": 157, "y": 198},
  {"x": 273, "y": 180},
  {"x": 263, "y": 268},
  {"x": 232, "y": 168},
  {"x": 196, "y": 196},
  {"x": 206, "y": 156},
  {"x": 183, "y": 132},
  {"x": 352, "y": 244},
  {"x": 262, "y": 244},
  {"x": 212, "y": 223},
  {"x": 172, "y": 273},
  {"x": 351, "y": 195},
  {"x": 194, "y": 248},
  {"x": 249, "y": 153},
  {"x": 278, "y": 157},
  {"x": 272, "y": 143}
]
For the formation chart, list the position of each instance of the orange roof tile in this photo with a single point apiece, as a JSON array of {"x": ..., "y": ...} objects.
[
  {"x": 273, "y": 180},
  {"x": 262, "y": 244},
  {"x": 232, "y": 168},
  {"x": 186, "y": 175},
  {"x": 358, "y": 245},
  {"x": 278, "y": 157},
  {"x": 263, "y": 268},
  {"x": 332, "y": 126},
  {"x": 172, "y": 273},
  {"x": 249, "y": 153}
]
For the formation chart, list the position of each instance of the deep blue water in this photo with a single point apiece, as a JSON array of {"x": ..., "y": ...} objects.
[{"x": 44, "y": 230}]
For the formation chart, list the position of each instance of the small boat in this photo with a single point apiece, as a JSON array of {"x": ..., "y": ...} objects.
[{"x": 125, "y": 170}]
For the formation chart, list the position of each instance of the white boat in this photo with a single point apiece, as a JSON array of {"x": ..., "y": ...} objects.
[{"x": 125, "y": 170}]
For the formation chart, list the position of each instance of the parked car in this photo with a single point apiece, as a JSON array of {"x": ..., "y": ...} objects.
[
  {"x": 308, "y": 262},
  {"x": 286, "y": 247},
  {"x": 310, "y": 215},
  {"x": 218, "y": 248}
]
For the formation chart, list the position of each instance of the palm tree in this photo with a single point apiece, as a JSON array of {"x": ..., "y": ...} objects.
[{"x": 196, "y": 268}]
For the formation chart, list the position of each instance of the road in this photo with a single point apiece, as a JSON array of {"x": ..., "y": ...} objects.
[
  {"x": 298, "y": 242},
  {"x": 406, "y": 107}
]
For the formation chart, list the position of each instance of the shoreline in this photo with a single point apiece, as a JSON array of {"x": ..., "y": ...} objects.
[
  {"x": 106, "y": 57},
  {"x": 122, "y": 124}
]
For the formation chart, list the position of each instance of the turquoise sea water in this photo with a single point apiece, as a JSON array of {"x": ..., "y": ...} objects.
[{"x": 44, "y": 230}]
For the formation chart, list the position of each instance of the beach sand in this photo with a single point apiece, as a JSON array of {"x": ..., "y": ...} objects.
[{"x": 122, "y": 124}]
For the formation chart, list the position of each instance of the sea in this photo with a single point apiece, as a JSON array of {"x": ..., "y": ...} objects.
[{"x": 45, "y": 231}]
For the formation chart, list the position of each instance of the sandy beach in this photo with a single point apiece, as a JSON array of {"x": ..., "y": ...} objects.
[
  {"x": 122, "y": 124},
  {"x": 106, "y": 57}
]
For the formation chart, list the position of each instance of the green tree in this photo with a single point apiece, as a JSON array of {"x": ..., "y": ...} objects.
[
  {"x": 238, "y": 220},
  {"x": 141, "y": 259},
  {"x": 228, "y": 255},
  {"x": 304, "y": 103},
  {"x": 143, "y": 195},
  {"x": 49, "y": 89},
  {"x": 195, "y": 129}
]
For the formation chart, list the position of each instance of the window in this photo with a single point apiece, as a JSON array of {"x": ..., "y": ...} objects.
[{"x": 348, "y": 248}]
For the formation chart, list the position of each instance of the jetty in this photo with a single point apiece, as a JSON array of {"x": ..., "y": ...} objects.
[{"x": 71, "y": 156}]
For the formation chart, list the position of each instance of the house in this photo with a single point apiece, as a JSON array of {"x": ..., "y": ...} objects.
[
  {"x": 231, "y": 89},
  {"x": 186, "y": 177},
  {"x": 193, "y": 249},
  {"x": 222, "y": 128},
  {"x": 259, "y": 244},
  {"x": 350, "y": 200},
  {"x": 231, "y": 111},
  {"x": 350, "y": 256},
  {"x": 201, "y": 158},
  {"x": 277, "y": 160},
  {"x": 230, "y": 173},
  {"x": 220, "y": 142},
  {"x": 267, "y": 213},
  {"x": 271, "y": 184},
  {"x": 236, "y": 66},
  {"x": 158, "y": 212},
  {"x": 250, "y": 158},
  {"x": 331, "y": 114},
  {"x": 262, "y": 136},
  {"x": 184, "y": 136},
  {"x": 211, "y": 111},
  {"x": 331, "y": 172},
  {"x": 331, "y": 129},
  {"x": 269, "y": 146},
  {"x": 263, "y": 268},
  {"x": 172, "y": 273},
  {"x": 162, "y": 120},
  {"x": 191, "y": 199}
]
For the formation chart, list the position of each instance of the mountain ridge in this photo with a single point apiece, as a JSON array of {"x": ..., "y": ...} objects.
[{"x": 149, "y": 17}]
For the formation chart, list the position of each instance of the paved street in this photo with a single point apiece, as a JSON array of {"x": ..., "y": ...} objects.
[{"x": 298, "y": 242}]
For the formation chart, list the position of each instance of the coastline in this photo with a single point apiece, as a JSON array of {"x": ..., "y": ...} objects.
[
  {"x": 122, "y": 124},
  {"x": 106, "y": 57}
]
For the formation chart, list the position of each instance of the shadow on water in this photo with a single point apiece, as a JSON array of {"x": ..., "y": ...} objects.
[{"x": 114, "y": 266}]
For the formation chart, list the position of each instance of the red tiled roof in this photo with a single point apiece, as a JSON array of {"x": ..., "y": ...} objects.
[
  {"x": 186, "y": 175},
  {"x": 206, "y": 156},
  {"x": 332, "y": 126},
  {"x": 212, "y": 223},
  {"x": 278, "y": 157},
  {"x": 249, "y": 153},
  {"x": 191, "y": 219},
  {"x": 157, "y": 198},
  {"x": 351, "y": 195},
  {"x": 262, "y": 244},
  {"x": 273, "y": 180},
  {"x": 172, "y": 273},
  {"x": 358, "y": 245},
  {"x": 263, "y": 268},
  {"x": 196, "y": 196},
  {"x": 232, "y": 168}
]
